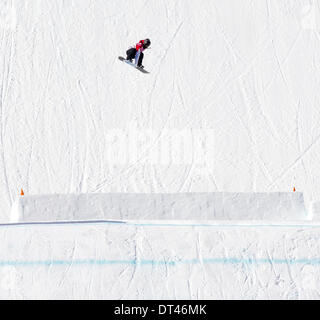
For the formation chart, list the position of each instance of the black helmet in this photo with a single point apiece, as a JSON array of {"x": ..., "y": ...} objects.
[{"x": 146, "y": 43}]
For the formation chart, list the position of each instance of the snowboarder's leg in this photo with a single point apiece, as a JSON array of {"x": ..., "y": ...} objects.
[
  {"x": 140, "y": 59},
  {"x": 131, "y": 53}
]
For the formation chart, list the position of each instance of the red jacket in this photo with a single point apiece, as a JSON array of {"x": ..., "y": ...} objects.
[{"x": 139, "y": 45}]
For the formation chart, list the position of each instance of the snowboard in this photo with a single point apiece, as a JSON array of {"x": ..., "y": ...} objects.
[{"x": 133, "y": 65}]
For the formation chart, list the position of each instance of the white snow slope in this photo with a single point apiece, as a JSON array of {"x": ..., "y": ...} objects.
[
  {"x": 231, "y": 104},
  {"x": 150, "y": 261}
]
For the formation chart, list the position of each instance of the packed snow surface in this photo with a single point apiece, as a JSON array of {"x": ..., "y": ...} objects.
[
  {"x": 182, "y": 206},
  {"x": 137, "y": 260},
  {"x": 231, "y": 103}
]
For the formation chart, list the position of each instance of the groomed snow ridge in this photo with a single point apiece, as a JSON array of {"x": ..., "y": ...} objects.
[{"x": 275, "y": 206}]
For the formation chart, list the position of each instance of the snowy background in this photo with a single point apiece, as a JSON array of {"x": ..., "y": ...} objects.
[
  {"x": 144, "y": 261},
  {"x": 234, "y": 83},
  {"x": 231, "y": 104}
]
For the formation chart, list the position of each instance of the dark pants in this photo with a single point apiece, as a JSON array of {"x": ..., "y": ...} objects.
[{"x": 131, "y": 54}]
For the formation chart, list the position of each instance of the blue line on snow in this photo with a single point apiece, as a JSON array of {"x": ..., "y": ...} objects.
[{"x": 223, "y": 261}]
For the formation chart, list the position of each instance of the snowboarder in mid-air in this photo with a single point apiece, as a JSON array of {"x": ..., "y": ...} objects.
[{"x": 136, "y": 52}]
